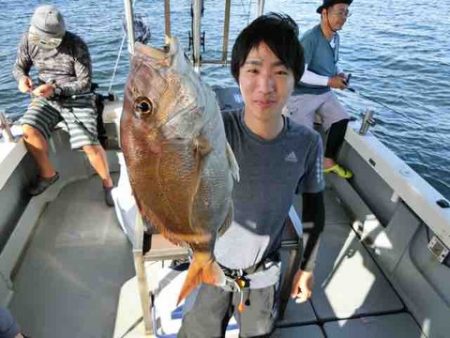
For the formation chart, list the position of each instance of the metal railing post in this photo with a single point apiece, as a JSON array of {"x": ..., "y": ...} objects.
[
  {"x": 260, "y": 8},
  {"x": 167, "y": 18},
  {"x": 226, "y": 30},
  {"x": 130, "y": 25},
  {"x": 196, "y": 32}
]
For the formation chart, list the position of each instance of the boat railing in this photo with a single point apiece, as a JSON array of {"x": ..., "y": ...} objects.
[{"x": 197, "y": 8}]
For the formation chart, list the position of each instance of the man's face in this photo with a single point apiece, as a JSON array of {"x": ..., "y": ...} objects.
[
  {"x": 337, "y": 15},
  {"x": 265, "y": 83},
  {"x": 38, "y": 39}
]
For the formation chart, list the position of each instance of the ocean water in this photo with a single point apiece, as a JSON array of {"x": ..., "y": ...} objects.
[{"x": 397, "y": 51}]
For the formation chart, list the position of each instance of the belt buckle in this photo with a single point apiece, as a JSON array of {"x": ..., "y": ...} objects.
[
  {"x": 242, "y": 282},
  {"x": 235, "y": 284}
]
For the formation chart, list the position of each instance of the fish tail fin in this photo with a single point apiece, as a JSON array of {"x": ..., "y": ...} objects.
[{"x": 201, "y": 270}]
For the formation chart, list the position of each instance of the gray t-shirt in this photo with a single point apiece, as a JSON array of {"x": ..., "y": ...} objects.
[
  {"x": 320, "y": 57},
  {"x": 271, "y": 172}
]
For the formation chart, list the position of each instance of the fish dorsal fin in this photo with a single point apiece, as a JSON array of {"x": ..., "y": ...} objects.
[
  {"x": 152, "y": 52},
  {"x": 179, "y": 62}
]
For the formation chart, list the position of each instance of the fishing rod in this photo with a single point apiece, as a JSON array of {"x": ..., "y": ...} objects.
[{"x": 367, "y": 97}]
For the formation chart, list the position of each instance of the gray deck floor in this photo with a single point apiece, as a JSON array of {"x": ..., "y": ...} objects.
[
  {"x": 77, "y": 279},
  {"x": 70, "y": 277}
]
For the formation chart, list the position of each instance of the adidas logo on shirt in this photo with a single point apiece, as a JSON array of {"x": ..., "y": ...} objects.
[{"x": 291, "y": 157}]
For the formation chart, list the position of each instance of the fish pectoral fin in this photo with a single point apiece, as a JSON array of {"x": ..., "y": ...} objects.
[
  {"x": 234, "y": 166},
  {"x": 227, "y": 222},
  {"x": 202, "y": 146},
  {"x": 200, "y": 271}
]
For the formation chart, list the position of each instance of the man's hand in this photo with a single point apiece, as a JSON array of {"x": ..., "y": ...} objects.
[
  {"x": 45, "y": 90},
  {"x": 302, "y": 286},
  {"x": 25, "y": 84},
  {"x": 338, "y": 81}
]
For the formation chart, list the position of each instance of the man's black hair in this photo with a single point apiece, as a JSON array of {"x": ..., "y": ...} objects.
[{"x": 280, "y": 33}]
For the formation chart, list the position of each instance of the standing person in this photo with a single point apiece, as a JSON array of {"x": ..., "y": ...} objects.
[
  {"x": 277, "y": 159},
  {"x": 314, "y": 95},
  {"x": 63, "y": 61}
]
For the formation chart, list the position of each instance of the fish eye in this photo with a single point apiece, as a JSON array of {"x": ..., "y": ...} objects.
[{"x": 143, "y": 106}]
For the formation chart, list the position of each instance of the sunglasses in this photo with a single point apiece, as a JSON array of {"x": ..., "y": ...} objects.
[{"x": 342, "y": 14}]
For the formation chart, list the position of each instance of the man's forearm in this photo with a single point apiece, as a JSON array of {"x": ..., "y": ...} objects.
[
  {"x": 76, "y": 87},
  {"x": 313, "y": 218},
  {"x": 312, "y": 78}
]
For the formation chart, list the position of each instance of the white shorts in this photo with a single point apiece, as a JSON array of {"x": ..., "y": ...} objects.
[{"x": 304, "y": 107}]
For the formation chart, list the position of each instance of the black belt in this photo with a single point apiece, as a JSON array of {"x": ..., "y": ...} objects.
[
  {"x": 262, "y": 265},
  {"x": 236, "y": 279}
]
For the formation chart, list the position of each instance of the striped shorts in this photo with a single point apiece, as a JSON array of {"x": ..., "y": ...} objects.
[{"x": 79, "y": 116}]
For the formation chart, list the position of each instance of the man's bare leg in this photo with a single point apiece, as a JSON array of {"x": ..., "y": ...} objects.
[
  {"x": 97, "y": 157},
  {"x": 37, "y": 145}
]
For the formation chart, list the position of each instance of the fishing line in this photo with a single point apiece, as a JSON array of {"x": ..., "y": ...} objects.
[
  {"x": 117, "y": 63},
  {"x": 248, "y": 9},
  {"x": 357, "y": 92},
  {"x": 118, "y": 56}
]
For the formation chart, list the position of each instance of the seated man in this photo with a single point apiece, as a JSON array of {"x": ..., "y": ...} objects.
[
  {"x": 277, "y": 158},
  {"x": 313, "y": 94},
  {"x": 64, "y": 65}
]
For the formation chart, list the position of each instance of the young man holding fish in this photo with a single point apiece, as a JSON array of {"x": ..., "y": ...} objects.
[
  {"x": 63, "y": 94},
  {"x": 277, "y": 159}
]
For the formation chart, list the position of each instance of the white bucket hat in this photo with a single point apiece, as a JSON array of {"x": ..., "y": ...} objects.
[{"x": 47, "y": 27}]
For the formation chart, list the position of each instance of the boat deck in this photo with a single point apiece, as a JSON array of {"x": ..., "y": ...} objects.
[{"x": 76, "y": 279}]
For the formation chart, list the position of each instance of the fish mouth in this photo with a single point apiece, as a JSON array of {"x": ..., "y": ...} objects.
[{"x": 152, "y": 52}]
